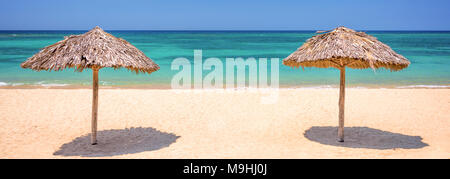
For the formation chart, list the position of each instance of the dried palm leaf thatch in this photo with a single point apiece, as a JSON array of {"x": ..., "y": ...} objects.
[
  {"x": 94, "y": 49},
  {"x": 343, "y": 47}
]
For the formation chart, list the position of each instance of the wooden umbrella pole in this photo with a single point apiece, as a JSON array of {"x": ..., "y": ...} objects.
[
  {"x": 94, "y": 106},
  {"x": 341, "y": 105}
]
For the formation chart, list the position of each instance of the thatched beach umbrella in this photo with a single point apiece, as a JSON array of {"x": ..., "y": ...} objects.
[
  {"x": 343, "y": 47},
  {"x": 95, "y": 49}
]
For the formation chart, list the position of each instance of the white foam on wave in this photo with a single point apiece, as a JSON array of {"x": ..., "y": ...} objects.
[
  {"x": 44, "y": 84},
  {"x": 105, "y": 83},
  {"x": 315, "y": 87},
  {"x": 17, "y": 84},
  {"x": 425, "y": 86},
  {"x": 360, "y": 87},
  {"x": 11, "y": 84},
  {"x": 53, "y": 84}
]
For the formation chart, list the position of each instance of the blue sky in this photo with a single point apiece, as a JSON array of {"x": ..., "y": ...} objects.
[{"x": 224, "y": 14}]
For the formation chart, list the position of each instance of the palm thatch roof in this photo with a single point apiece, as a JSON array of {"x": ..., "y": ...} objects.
[
  {"x": 343, "y": 47},
  {"x": 94, "y": 49}
]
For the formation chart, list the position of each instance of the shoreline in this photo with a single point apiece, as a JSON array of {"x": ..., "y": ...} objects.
[{"x": 168, "y": 87}]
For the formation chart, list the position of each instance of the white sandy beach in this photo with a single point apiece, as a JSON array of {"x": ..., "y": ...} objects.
[{"x": 145, "y": 123}]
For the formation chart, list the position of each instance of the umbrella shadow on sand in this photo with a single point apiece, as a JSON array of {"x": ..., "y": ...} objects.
[
  {"x": 363, "y": 137},
  {"x": 118, "y": 142}
]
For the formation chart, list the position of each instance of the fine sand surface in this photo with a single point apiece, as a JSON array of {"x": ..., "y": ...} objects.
[{"x": 154, "y": 123}]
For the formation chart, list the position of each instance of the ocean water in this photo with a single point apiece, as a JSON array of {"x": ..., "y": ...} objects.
[{"x": 429, "y": 53}]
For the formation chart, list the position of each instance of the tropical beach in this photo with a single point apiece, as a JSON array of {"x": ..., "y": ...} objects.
[
  {"x": 388, "y": 115},
  {"x": 146, "y": 84}
]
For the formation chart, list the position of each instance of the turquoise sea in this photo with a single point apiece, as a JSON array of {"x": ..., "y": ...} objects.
[{"x": 429, "y": 53}]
